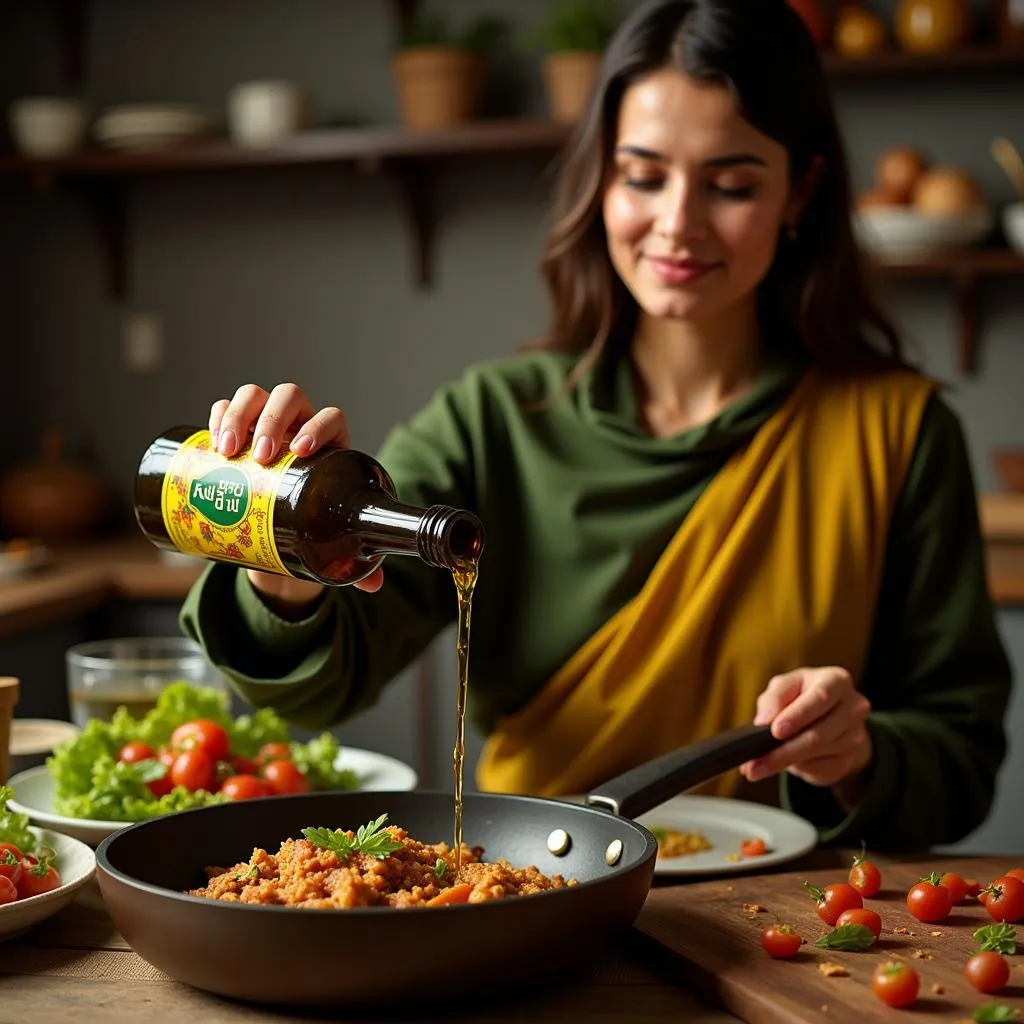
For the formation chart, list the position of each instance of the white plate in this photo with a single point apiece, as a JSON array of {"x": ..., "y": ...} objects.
[
  {"x": 725, "y": 824},
  {"x": 76, "y": 864},
  {"x": 34, "y": 791}
]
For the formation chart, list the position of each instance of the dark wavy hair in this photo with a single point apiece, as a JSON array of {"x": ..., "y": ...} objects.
[{"x": 815, "y": 296}]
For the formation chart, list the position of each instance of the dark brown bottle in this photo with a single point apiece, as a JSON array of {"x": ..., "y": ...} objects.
[{"x": 331, "y": 517}]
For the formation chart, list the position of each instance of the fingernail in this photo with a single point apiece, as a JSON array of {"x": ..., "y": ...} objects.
[
  {"x": 761, "y": 718},
  {"x": 263, "y": 449},
  {"x": 756, "y": 774},
  {"x": 781, "y": 729},
  {"x": 302, "y": 444},
  {"x": 226, "y": 444}
]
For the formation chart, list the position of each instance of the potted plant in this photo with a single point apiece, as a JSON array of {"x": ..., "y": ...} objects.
[
  {"x": 574, "y": 38},
  {"x": 439, "y": 73}
]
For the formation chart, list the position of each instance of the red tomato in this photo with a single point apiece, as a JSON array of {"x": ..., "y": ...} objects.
[
  {"x": 274, "y": 752},
  {"x": 780, "y": 941},
  {"x": 285, "y": 777},
  {"x": 1003, "y": 898},
  {"x": 928, "y": 901},
  {"x": 194, "y": 770},
  {"x": 895, "y": 983},
  {"x": 956, "y": 885},
  {"x": 130, "y": 753},
  {"x": 15, "y": 852},
  {"x": 834, "y": 899},
  {"x": 37, "y": 879},
  {"x": 868, "y": 918},
  {"x": 973, "y": 887},
  {"x": 753, "y": 847},
  {"x": 8, "y": 892},
  {"x": 1016, "y": 873},
  {"x": 10, "y": 866},
  {"x": 865, "y": 876},
  {"x": 987, "y": 972},
  {"x": 243, "y": 787},
  {"x": 203, "y": 734},
  {"x": 241, "y": 765}
]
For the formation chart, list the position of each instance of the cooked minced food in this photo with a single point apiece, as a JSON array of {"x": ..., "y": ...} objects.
[{"x": 375, "y": 866}]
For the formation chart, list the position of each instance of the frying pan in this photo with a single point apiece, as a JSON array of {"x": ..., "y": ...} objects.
[{"x": 420, "y": 955}]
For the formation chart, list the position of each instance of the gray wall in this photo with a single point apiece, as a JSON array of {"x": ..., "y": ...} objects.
[{"x": 303, "y": 275}]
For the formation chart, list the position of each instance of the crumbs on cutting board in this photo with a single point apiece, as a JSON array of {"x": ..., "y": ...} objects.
[
  {"x": 938, "y": 990},
  {"x": 831, "y": 970}
]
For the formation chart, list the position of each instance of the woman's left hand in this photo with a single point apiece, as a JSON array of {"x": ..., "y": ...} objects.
[{"x": 821, "y": 717}]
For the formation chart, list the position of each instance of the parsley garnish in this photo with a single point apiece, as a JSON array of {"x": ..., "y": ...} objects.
[
  {"x": 249, "y": 875},
  {"x": 849, "y": 937},
  {"x": 369, "y": 839},
  {"x": 1001, "y": 938},
  {"x": 992, "y": 1013},
  {"x": 440, "y": 868}
]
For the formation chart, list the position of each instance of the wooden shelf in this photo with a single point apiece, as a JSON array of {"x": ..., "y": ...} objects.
[
  {"x": 102, "y": 176},
  {"x": 976, "y": 60},
  {"x": 966, "y": 269}
]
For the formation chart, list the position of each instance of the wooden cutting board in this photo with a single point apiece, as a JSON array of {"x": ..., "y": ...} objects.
[{"x": 714, "y": 946}]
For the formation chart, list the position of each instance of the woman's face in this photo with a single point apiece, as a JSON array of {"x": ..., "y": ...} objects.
[{"x": 696, "y": 199}]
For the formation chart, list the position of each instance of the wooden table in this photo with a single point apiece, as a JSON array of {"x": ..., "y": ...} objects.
[{"x": 76, "y": 968}]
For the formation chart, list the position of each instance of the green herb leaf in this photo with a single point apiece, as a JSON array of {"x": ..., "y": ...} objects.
[
  {"x": 848, "y": 937},
  {"x": 992, "y": 1013},
  {"x": 660, "y": 834},
  {"x": 369, "y": 839},
  {"x": 250, "y": 875},
  {"x": 440, "y": 868},
  {"x": 1001, "y": 938}
]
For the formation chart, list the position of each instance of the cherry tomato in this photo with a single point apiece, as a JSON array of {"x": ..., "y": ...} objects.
[
  {"x": 194, "y": 770},
  {"x": 8, "y": 891},
  {"x": 162, "y": 786},
  {"x": 1003, "y": 898},
  {"x": 1016, "y": 873},
  {"x": 753, "y": 847},
  {"x": 987, "y": 972},
  {"x": 285, "y": 777},
  {"x": 274, "y": 752},
  {"x": 242, "y": 765},
  {"x": 928, "y": 901},
  {"x": 780, "y": 941},
  {"x": 14, "y": 851},
  {"x": 203, "y": 734},
  {"x": 243, "y": 787},
  {"x": 834, "y": 899},
  {"x": 10, "y": 866},
  {"x": 973, "y": 888},
  {"x": 865, "y": 876},
  {"x": 131, "y": 753},
  {"x": 37, "y": 879},
  {"x": 868, "y": 918},
  {"x": 895, "y": 983},
  {"x": 956, "y": 884}
]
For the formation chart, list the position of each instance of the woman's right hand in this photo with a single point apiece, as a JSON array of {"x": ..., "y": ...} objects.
[{"x": 277, "y": 418}]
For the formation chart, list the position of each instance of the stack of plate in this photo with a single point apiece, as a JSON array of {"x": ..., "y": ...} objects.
[{"x": 150, "y": 126}]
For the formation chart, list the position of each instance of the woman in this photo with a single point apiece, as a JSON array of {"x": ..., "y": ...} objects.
[{"x": 715, "y": 493}]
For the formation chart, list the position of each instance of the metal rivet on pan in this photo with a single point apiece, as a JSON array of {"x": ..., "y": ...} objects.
[
  {"x": 558, "y": 842},
  {"x": 614, "y": 851}
]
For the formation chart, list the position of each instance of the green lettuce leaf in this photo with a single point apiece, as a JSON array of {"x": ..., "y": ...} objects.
[
  {"x": 316, "y": 761},
  {"x": 14, "y": 826}
]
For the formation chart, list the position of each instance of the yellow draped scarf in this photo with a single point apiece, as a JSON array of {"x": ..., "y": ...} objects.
[{"x": 777, "y": 566}]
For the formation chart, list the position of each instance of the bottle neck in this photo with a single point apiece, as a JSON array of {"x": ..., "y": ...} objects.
[{"x": 441, "y": 536}]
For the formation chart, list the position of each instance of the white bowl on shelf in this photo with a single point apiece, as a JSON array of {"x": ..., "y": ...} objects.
[
  {"x": 1013, "y": 226},
  {"x": 900, "y": 232},
  {"x": 47, "y": 127}
]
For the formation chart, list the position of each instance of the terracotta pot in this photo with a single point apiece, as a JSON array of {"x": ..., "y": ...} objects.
[
  {"x": 568, "y": 78},
  {"x": 438, "y": 86},
  {"x": 931, "y": 26},
  {"x": 52, "y": 500},
  {"x": 815, "y": 18}
]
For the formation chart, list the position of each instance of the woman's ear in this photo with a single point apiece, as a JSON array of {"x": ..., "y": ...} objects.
[{"x": 801, "y": 193}]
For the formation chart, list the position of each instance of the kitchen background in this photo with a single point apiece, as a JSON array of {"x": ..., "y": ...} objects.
[{"x": 304, "y": 273}]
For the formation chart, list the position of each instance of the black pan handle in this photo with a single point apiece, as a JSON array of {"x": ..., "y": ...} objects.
[{"x": 650, "y": 784}]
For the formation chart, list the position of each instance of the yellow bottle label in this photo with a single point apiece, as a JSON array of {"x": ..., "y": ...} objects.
[{"x": 223, "y": 508}]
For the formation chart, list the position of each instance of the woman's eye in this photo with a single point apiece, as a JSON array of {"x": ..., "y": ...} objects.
[
  {"x": 743, "y": 192},
  {"x": 644, "y": 184}
]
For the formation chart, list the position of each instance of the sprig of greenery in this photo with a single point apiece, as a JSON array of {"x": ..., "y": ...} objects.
[
  {"x": 993, "y": 1013},
  {"x": 1000, "y": 938},
  {"x": 586, "y": 25},
  {"x": 440, "y": 868},
  {"x": 370, "y": 839},
  {"x": 852, "y": 938},
  {"x": 431, "y": 29}
]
